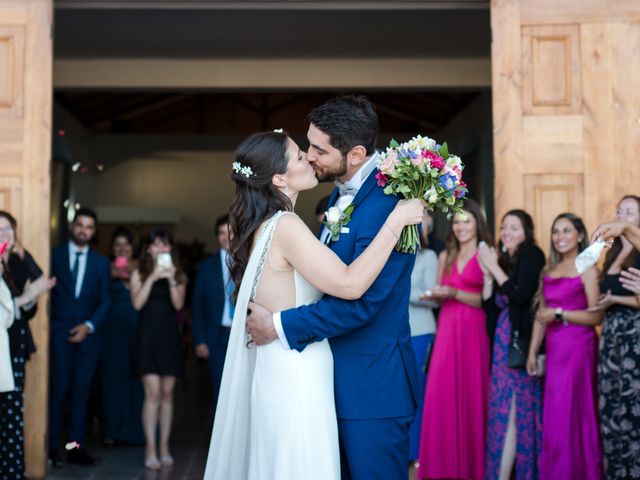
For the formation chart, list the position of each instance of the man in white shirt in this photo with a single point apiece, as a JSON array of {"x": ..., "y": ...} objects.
[
  {"x": 212, "y": 306},
  {"x": 79, "y": 304}
]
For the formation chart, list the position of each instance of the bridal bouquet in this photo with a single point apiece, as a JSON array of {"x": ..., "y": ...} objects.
[{"x": 420, "y": 168}]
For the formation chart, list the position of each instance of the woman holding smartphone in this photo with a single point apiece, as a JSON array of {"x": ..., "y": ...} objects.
[
  {"x": 122, "y": 393},
  {"x": 157, "y": 291}
]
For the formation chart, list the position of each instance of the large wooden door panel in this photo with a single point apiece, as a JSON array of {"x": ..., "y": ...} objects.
[
  {"x": 25, "y": 183},
  {"x": 566, "y": 107}
]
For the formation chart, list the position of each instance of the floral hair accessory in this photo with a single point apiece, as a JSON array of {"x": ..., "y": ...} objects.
[
  {"x": 278, "y": 130},
  {"x": 241, "y": 169}
]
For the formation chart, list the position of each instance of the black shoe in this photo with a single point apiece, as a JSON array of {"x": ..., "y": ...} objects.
[
  {"x": 80, "y": 456},
  {"x": 54, "y": 459}
]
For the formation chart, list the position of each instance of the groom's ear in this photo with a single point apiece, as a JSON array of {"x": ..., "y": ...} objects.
[{"x": 357, "y": 156}]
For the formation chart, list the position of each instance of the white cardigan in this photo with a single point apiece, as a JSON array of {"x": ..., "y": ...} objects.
[
  {"x": 423, "y": 277},
  {"x": 7, "y": 383}
]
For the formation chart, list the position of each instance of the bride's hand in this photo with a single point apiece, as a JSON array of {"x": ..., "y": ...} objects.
[{"x": 407, "y": 212}]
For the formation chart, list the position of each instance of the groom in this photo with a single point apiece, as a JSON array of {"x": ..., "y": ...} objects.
[{"x": 375, "y": 369}]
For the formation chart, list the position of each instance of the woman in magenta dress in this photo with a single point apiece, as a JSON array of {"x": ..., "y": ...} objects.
[
  {"x": 455, "y": 407},
  {"x": 571, "y": 448}
]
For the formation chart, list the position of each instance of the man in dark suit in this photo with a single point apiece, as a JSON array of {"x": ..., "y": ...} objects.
[
  {"x": 79, "y": 304},
  {"x": 212, "y": 307},
  {"x": 375, "y": 375}
]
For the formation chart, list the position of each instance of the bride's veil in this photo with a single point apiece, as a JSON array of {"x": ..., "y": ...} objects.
[{"x": 229, "y": 450}]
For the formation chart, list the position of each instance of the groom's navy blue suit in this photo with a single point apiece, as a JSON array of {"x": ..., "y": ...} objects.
[{"x": 375, "y": 368}]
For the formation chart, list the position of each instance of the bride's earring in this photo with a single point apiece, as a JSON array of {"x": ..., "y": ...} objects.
[{"x": 504, "y": 249}]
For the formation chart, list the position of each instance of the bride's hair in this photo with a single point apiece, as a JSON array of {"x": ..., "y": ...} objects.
[{"x": 257, "y": 159}]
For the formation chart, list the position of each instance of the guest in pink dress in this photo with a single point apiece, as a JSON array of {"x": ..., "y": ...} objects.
[
  {"x": 455, "y": 407},
  {"x": 571, "y": 448}
]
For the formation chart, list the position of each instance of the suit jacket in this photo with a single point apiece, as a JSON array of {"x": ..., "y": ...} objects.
[
  {"x": 375, "y": 366},
  {"x": 208, "y": 301},
  {"x": 95, "y": 296}
]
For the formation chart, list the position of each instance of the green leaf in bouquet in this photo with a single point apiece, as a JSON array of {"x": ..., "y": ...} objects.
[
  {"x": 393, "y": 143},
  {"x": 444, "y": 150},
  {"x": 388, "y": 190},
  {"x": 404, "y": 189}
]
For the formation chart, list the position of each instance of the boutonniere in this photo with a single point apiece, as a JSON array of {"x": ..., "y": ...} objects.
[{"x": 337, "y": 219}]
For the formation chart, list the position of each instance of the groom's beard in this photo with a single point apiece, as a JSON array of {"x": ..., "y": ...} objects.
[{"x": 331, "y": 175}]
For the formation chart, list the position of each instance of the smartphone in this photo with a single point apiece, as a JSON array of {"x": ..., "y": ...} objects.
[
  {"x": 122, "y": 264},
  {"x": 164, "y": 260}
]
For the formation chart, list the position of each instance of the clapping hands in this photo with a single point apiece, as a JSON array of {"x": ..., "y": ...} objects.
[{"x": 439, "y": 293}]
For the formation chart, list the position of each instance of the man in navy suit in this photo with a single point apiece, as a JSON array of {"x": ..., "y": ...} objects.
[
  {"x": 212, "y": 308},
  {"x": 375, "y": 369},
  {"x": 79, "y": 304}
]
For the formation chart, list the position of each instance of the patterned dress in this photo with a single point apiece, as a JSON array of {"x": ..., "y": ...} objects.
[
  {"x": 505, "y": 383},
  {"x": 619, "y": 376}
]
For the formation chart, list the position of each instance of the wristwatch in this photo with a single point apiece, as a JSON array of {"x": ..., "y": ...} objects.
[{"x": 560, "y": 316}]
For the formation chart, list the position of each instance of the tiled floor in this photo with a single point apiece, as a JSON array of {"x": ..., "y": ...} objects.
[{"x": 189, "y": 441}]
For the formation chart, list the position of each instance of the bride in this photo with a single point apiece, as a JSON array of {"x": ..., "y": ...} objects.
[{"x": 276, "y": 416}]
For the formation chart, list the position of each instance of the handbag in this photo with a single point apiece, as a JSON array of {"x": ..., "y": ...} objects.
[{"x": 517, "y": 351}]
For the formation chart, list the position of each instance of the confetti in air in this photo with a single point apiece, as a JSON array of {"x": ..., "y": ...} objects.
[{"x": 72, "y": 445}]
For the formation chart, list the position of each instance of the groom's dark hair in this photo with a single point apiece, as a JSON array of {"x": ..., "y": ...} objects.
[{"x": 349, "y": 121}]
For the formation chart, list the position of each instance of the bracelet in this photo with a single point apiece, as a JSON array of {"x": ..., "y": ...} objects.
[{"x": 392, "y": 232}]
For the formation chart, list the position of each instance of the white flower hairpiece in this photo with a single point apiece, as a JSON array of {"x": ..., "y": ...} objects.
[
  {"x": 241, "y": 169},
  {"x": 278, "y": 130}
]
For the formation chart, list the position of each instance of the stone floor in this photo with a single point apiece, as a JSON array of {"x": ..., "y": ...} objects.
[{"x": 189, "y": 441}]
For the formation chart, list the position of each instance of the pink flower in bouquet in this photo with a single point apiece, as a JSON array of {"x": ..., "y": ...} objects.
[
  {"x": 382, "y": 179},
  {"x": 418, "y": 161},
  {"x": 455, "y": 171},
  {"x": 388, "y": 165},
  {"x": 435, "y": 160},
  {"x": 460, "y": 190}
]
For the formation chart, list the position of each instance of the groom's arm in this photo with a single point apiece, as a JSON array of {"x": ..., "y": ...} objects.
[{"x": 333, "y": 316}]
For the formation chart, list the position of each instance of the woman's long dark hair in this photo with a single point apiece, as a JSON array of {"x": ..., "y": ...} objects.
[
  {"x": 147, "y": 264},
  {"x": 555, "y": 257},
  {"x": 505, "y": 260},
  {"x": 616, "y": 248},
  {"x": 482, "y": 232},
  {"x": 257, "y": 198}
]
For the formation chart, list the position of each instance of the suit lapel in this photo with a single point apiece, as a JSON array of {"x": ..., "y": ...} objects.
[{"x": 367, "y": 187}]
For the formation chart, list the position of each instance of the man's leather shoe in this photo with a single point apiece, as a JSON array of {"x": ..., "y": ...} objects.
[
  {"x": 80, "y": 456},
  {"x": 54, "y": 459}
]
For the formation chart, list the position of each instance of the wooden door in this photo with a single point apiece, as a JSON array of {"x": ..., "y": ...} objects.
[
  {"x": 25, "y": 144},
  {"x": 566, "y": 107}
]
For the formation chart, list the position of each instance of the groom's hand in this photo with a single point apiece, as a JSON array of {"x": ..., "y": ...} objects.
[{"x": 260, "y": 324}]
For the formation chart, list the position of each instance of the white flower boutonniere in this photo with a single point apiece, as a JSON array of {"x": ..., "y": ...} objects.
[{"x": 336, "y": 219}]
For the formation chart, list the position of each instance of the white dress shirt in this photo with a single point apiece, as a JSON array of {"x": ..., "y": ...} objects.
[
  {"x": 343, "y": 201},
  {"x": 82, "y": 268}
]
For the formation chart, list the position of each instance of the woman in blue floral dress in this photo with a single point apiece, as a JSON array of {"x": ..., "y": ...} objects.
[{"x": 515, "y": 401}]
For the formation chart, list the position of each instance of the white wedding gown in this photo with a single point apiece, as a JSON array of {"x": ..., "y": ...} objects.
[{"x": 276, "y": 417}]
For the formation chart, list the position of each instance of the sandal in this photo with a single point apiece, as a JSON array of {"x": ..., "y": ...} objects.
[
  {"x": 166, "y": 460},
  {"x": 152, "y": 463}
]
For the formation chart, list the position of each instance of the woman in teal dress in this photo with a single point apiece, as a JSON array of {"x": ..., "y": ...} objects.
[{"x": 122, "y": 392}]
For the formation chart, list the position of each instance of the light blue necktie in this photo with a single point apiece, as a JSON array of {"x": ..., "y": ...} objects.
[{"x": 229, "y": 290}]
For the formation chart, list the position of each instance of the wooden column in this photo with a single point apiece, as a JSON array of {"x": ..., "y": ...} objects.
[
  {"x": 25, "y": 182},
  {"x": 566, "y": 107}
]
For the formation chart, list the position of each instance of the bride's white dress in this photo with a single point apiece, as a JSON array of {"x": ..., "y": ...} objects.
[{"x": 276, "y": 417}]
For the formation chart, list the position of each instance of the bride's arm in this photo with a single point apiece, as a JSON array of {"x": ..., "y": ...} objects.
[{"x": 321, "y": 267}]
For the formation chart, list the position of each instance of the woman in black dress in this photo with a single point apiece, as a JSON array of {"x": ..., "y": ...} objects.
[
  {"x": 158, "y": 291},
  {"x": 619, "y": 363}
]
